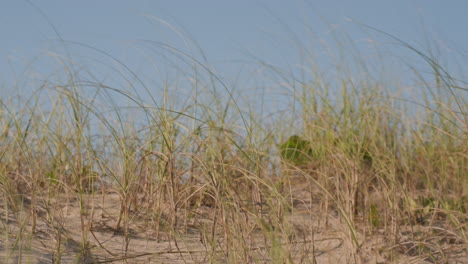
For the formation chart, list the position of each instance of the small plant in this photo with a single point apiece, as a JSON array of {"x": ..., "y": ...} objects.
[
  {"x": 296, "y": 150},
  {"x": 374, "y": 216}
]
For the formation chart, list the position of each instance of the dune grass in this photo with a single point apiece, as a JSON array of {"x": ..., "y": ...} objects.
[{"x": 355, "y": 174}]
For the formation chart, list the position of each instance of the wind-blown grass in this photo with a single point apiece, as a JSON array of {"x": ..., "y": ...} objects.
[{"x": 354, "y": 164}]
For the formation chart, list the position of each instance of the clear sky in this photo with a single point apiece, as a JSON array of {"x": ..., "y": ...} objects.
[{"x": 228, "y": 32}]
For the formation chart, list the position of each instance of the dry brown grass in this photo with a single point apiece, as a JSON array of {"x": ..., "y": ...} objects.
[{"x": 87, "y": 181}]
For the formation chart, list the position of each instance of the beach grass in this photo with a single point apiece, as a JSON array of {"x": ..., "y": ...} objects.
[{"x": 349, "y": 172}]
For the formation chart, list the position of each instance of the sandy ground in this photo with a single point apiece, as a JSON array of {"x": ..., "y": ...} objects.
[{"x": 329, "y": 241}]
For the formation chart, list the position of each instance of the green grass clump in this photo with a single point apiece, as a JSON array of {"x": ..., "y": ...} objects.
[{"x": 296, "y": 150}]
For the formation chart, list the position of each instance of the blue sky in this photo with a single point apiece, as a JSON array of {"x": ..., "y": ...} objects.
[{"x": 230, "y": 33}]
